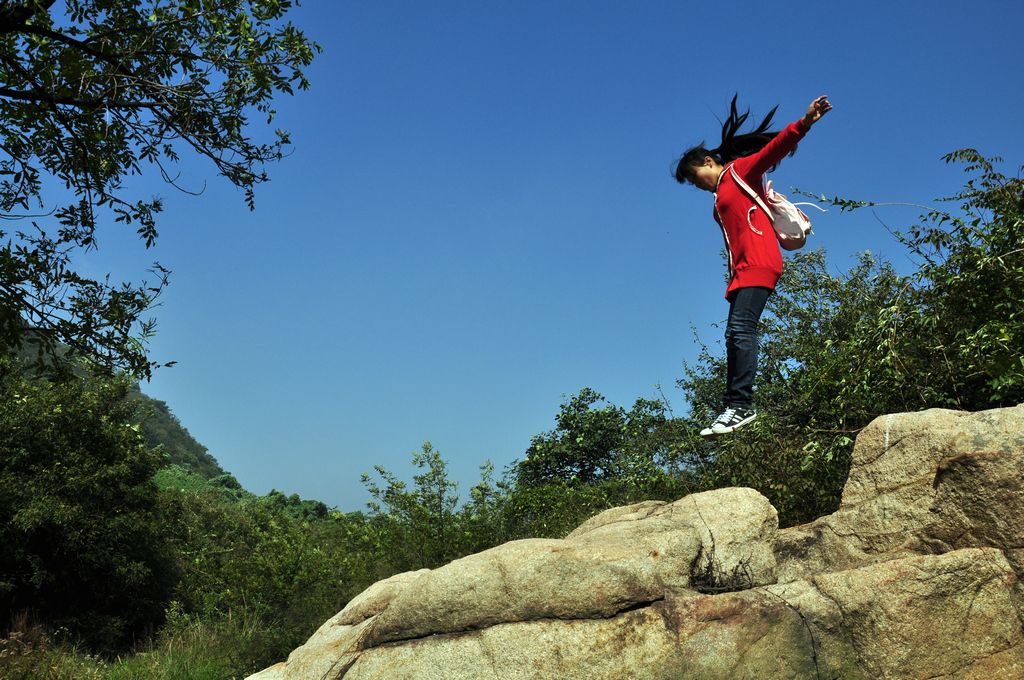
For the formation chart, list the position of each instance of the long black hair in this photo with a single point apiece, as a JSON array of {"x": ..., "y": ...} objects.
[{"x": 733, "y": 146}]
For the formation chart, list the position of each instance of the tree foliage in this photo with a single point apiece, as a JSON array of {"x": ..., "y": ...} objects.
[
  {"x": 597, "y": 456},
  {"x": 248, "y": 556},
  {"x": 418, "y": 525},
  {"x": 956, "y": 331},
  {"x": 96, "y": 91},
  {"x": 971, "y": 310},
  {"x": 590, "y": 445},
  {"x": 84, "y": 540}
]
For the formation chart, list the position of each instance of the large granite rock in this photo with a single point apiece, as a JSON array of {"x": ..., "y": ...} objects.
[
  {"x": 915, "y": 576},
  {"x": 920, "y": 483}
]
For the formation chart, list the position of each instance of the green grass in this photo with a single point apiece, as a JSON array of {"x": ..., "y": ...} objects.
[{"x": 226, "y": 649}]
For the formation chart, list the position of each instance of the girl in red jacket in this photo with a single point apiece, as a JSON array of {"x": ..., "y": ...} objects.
[{"x": 755, "y": 261}]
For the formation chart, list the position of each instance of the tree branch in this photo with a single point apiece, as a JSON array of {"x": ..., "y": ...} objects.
[
  {"x": 77, "y": 44},
  {"x": 88, "y": 104}
]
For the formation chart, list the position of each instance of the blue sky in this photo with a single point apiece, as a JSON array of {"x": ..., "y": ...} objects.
[{"x": 478, "y": 218}]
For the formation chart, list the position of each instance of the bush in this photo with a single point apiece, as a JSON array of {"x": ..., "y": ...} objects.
[
  {"x": 281, "y": 563},
  {"x": 84, "y": 544}
]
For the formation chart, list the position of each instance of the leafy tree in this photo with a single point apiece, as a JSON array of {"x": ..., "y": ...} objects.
[
  {"x": 590, "y": 445},
  {"x": 180, "y": 478},
  {"x": 962, "y": 331},
  {"x": 419, "y": 526},
  {"x": 84, "y": 543},
  {"x": 596, "y": 457},
  {"x": 95, "y": 92},
  {"x": 293, "y": 505},
  {"x": 554, "y": 509},
  {"x": 273, "y": 561}
]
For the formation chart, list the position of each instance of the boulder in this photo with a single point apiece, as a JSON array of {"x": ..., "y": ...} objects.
[
  {"x": 919, "y": 483},
  {"x": 916, "y": 575},
  {"x": 716, "y": 539},
  {"x": 332, "y": 645}
]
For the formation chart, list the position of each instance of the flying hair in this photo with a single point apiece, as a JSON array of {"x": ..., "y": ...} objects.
[{"x": 733, "y": 144}]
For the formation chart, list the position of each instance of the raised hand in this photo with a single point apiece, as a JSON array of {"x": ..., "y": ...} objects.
[{"x": 818, "y": 108}]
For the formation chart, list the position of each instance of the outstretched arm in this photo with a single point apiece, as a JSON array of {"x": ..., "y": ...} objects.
[{"x": 756, "y": 164}]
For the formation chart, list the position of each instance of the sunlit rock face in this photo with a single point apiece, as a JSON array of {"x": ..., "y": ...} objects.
[{"x": 915, "y": 575}]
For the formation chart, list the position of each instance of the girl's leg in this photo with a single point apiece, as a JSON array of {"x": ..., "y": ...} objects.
[{"x": 745, "y": 308}]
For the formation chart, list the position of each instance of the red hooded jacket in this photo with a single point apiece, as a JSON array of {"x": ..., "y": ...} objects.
[{"x": 750, "y": 241}]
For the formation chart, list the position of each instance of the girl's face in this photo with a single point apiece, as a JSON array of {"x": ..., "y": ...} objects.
[{"x": 706, "y": 176}]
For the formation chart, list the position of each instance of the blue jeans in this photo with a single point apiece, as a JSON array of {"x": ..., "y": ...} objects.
[{"x": 745, "y": 308}]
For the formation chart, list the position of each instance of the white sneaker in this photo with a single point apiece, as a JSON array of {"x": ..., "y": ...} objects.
[{"x": 731, "y": 419}]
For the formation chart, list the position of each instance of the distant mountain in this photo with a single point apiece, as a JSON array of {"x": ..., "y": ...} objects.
[{"x": 162, "y": 429}]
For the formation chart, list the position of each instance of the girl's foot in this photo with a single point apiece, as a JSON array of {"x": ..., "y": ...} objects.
[{"x": 732, "y": 418}]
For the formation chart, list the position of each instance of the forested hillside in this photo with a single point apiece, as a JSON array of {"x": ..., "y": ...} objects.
[{"x": 163, "y": 431}]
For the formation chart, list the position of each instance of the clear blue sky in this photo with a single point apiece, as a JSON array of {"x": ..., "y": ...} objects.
[{"x": 479, "y": 219}]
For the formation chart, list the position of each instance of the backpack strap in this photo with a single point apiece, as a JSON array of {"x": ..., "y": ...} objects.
[
  {"x": 753, "y": 194},
  {"x": 772, "y": 194},
  {"x": 721, "y": 224}
]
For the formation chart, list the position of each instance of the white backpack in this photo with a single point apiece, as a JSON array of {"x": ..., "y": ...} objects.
[{"x": 791, "y": 224}]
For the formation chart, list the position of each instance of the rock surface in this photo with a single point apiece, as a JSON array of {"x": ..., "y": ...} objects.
[
  {"x": 915, "y": 576},
  {"x": 920, "y": 483}
]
